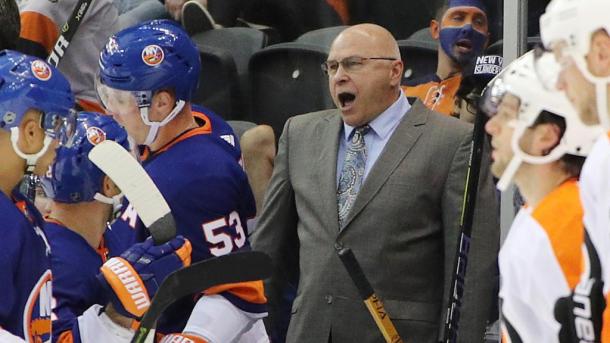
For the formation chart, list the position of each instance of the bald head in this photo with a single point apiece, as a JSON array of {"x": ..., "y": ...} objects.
[
  {"x": 365, "y": 72},
  {"x": 373, "y": 38}
]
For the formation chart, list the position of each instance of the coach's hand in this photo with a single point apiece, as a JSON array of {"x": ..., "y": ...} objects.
[{"x": 133, "y": 279}]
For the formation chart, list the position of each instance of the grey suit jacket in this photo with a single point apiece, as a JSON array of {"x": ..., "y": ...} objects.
[{"x": 403, "y": 229}]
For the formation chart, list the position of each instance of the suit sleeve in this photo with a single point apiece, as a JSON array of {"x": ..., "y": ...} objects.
[
  {"x": 481, "y": 284},
  {"x": 276, "y": 235}
]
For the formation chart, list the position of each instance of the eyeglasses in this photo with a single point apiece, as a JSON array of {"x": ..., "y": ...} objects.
[{"x": 349, "y": 64}]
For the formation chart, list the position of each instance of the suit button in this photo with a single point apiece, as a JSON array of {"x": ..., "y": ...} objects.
[
  {"x": 338, "y": 246},
  {"x": 329, "y": 299}
]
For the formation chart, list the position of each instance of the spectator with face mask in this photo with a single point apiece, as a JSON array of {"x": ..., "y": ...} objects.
[{"x": 461, "y": 27}]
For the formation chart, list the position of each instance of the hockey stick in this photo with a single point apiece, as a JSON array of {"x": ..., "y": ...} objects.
[
  {"x": 372, "y": 302},
  {"x": 456, "y": 292},
  {"x": 138, "y": 187},
  {"x": 67, "y": 32},
  {"x": 231, "y": 268}
]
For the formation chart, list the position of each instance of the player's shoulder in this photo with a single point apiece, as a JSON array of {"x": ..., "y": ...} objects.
[
  {"x": 441, "y": 128},
  {"x": 70, "y": 250},
  {"x": 201, "y": 149},
  {"x": 309, "y": 122},
  {"x": 199, "y": 161},
  {"x": 13, "y": 220}
]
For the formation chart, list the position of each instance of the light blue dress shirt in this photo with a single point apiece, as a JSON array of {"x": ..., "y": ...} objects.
[{"x": 375, "y": 140}]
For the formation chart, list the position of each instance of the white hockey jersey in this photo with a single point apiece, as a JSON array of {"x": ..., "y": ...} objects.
[
  {"x": 595, "y": 196},
  {"x": 540, "y": 262}
]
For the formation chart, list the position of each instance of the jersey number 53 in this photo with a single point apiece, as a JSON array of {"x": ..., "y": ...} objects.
[{"x": 215, "y": 233}]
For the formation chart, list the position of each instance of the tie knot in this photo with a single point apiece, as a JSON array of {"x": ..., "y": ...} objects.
[
  {"x": 360, "y": 132},
  {"x": 364, "y": 129}
]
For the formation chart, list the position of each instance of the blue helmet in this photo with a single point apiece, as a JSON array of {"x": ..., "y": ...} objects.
[
  {"x": 73, "y": 177},
  {"x": 151, "y": 56},
  {"x": 28, "y": 82}
]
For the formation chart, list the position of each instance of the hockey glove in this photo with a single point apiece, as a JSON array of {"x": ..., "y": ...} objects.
[
  {"x": 132, "y": 280},
  {"x": 580, "y": 314}
]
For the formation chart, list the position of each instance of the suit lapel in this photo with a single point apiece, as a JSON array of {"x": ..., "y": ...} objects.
[
  {"x": 328, "y": 132},
  {"x": 398, "y": 146}
]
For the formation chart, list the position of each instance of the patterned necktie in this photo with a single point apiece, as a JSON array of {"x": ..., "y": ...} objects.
[{"x": 352, "y": 173}]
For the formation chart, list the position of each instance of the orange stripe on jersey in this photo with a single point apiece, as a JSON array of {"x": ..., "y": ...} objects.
[
  {"x": 560, "y": 214},
  {"x": 39, "y": 28},
  {"x": 102, "y": 250},
  {"x": 91, "y": 106},
  {"x": 437, "y": 96},
  {"x": 207, "y": 122},
  {"x": 205, "y": 129},
  {"x": 65, "y": 337},
  {"x": 608, "y": 133},
  {"x": 606, "y": 322},
  {"x": 251, "y": 291}
]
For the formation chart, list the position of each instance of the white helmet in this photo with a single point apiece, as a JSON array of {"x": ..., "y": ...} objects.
[
  {"x": 573, "y": 22},
  {"x": 520, "y": 79}
]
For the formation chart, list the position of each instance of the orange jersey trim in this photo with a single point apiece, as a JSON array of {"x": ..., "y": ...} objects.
[
  {"x": 606, "y": 322},
  {"x": 39, "y": 28},
  {"x": 565, "y": 229},
  {"x": 91, "y": 106},
  {"x": 437, "y": 96},
  {"x": 205, "y": 129},
  {"x": 251, "y": 291},
  {"x": 65, "y": 337}
]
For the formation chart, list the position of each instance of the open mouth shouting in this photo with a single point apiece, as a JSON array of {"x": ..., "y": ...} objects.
[{"x": 346, "y": 100}]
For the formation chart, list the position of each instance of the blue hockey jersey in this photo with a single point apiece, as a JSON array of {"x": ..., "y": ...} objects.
[
  {"x": 218, "y": 126},
  {"x": 25, "y": 285},
  {"x": 210, "y": 198},
  {"x": 75, "y": 265}
]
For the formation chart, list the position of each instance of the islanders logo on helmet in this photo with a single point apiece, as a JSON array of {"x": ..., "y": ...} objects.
[
  {"x": 112, "y": 46},
  {"x": 153, "y": 55},
  {"x": 95, "y": 135},
  {"x": 41, "y": 70}
]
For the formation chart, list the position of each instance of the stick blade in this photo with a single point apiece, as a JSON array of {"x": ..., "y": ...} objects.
[{"x": 127, "y": 173}]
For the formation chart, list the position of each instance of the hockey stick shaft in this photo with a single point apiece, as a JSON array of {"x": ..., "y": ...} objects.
[
  {"x": 372, "y": 302},
  {"x": 67, "y": 32},
  {"x": 231, "y": 268},
  {"x": 456, "y": 291},
  {"x": 142, "y": 193}
]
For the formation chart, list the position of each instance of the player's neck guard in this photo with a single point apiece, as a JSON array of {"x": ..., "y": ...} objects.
[
  {"x": 116, "y": 201},
  {"x": 155, "y": 125}
]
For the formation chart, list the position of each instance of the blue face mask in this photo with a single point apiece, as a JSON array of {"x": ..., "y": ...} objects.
[{"x": 449, "y": 36}]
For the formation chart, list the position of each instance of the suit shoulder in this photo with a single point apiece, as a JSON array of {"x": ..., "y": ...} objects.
[
  {"x": 451, "y": 126},
  {"x": 311, "y": 118}
]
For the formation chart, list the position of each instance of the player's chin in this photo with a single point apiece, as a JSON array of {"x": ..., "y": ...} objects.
[{"x": 497, "y": 168}]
